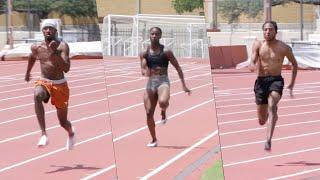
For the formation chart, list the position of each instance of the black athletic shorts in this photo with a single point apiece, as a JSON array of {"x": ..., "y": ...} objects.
[{"x": 264, "y": 85}]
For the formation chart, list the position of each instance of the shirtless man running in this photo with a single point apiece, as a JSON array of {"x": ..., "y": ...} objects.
[
  {"x": 267, "y": 59},
  {"x": 53, "y": 55}
]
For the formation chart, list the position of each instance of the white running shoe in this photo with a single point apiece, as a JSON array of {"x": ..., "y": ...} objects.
[
  {"x": 153, "y": 144},
  {"x": 163, "y": 121},
  {"x": 43, "y": 141},
  {"x": 71, "y": 141}
]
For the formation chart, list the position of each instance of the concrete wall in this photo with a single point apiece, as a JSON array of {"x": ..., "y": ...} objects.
[
  {"x": 288, "y": 13},
  {"x": 129, "y": 7}
]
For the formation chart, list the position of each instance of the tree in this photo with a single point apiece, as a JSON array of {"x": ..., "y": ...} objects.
[
  {"x": 182, "y": 6},
  {"x": 3, "y": 6},
  {"x": 77, "y": 8},
  {"x": 232, "y": 9},
  {"x": 42, "y": 8},
  {"x": 81, "y": 12},
  {"x": 280, "y": 2}
]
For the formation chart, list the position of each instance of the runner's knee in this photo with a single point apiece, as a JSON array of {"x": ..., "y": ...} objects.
[
  {"x": 150, "y": 114},
  {"x": 64, "y": 123},
  {"x": 273, "y": 108},
  {"x": 39, "y": 95},
  {"x": 163, "y": 104}
]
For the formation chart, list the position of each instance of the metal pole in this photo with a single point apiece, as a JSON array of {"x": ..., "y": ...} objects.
[
  {"x": 138, "y": 6},
  {"x": 7, "y": 33},
  {"x": 215, "y": 13},
  {"x": 134, "y": 26},
  {"x": 10, "y": 27},
  {"x": 267, "y": 10},
  {"x": 137, "y": 36},
  {"x": 190, "y": 40},
  {"x": 109, "y": 35},
  {"x": 301, "y": 20},
  {"x": 210, "y": 13},
  {"x": 29, "y": 18}
]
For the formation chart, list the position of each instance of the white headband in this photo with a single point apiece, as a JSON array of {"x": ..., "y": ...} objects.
[{"x": 49, "y": 23}]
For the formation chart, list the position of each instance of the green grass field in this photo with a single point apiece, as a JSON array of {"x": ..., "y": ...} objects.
[{"x": 215, "y": 172}]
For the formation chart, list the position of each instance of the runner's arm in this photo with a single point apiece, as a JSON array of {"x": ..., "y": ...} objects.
[
  {"x": 254, "y": 56},
  {"x": 143, "y": 64},
  {"x": 31, "y": 60},
  {"x": 62, "y": 56},
  {"x": 293, "y": 61},
  {"x": 176, "y": 65}
]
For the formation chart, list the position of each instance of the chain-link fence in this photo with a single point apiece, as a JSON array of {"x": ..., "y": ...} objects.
[{"x": 128, "y": 35}]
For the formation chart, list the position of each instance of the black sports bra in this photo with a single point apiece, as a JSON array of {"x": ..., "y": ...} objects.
[{"x": 157, "y": 60}]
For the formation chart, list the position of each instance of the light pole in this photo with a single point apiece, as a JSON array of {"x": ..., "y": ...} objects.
[
  {"x": 138, "y": 6},
  {"x": 215, "y": 14},
  {"x": 10, "y": 27},
  {"x": 301, "y": 20},
  {"x": 267, "y": 10},
  {"x": 29, "y": 18},
  {"x": 211, "y": 13},
  {"x": 7, "y": 34}
]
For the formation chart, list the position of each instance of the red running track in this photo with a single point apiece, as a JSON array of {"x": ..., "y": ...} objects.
[
  {"x": 295, "y": 145},
  {"x": 110, "y": 125}
]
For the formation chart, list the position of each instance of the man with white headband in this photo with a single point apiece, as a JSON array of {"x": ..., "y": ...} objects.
[{"x": 53, "y": 55}]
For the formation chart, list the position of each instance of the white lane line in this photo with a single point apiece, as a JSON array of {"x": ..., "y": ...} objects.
[
  {"x": 52, "y": 111},
  {"x": 96, "y": 115},
  {"x": 180, "y": 155},
  {"x": 73, "y": 87},
  {"x": 281, "y": 107},
  {"x": 297, "y": 86},
  {"x": 30, "y": 87},
  {"x": 69, "y": 75},
  {"x": 271, "y": 156},
  {"x": 74, "y": 71},
  {"x": 94, "y": 72},
  {"x": 157, "y": 122},
  {"x": 99, "y": 172},
  {"x": 79, "y": 67},
  {"x": 90, "y": 102},
  {"x": 50, "y": 128},
  {"x": 253, "y": 75},
  {"x": 252, "y": 98},
  {"x": 251, "y": 93},
  {"x": 97, "y": 137},
  {"x": 51, "y": 153},
  {"x": 91, "y": 78},
  {"x": 255, "y": 119},
  {"x": 38, "y": 72},
  {"x": 274, "y": 139},
  {"x": 295, "y": 174},
  {"x": 7, "y": 78},
  {"x": 140, "y": 89},
  {"x": 260, "y": 128},
  {"x": 281, "y": 102}
]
